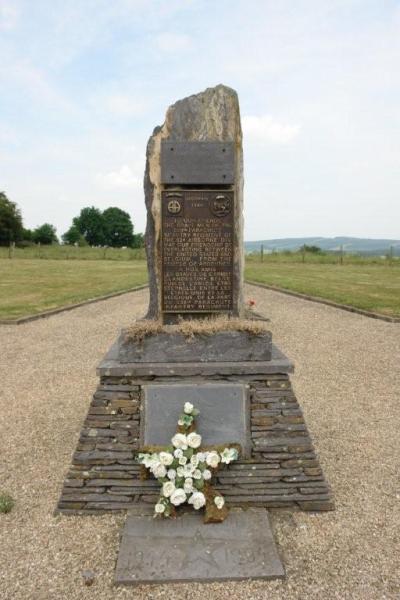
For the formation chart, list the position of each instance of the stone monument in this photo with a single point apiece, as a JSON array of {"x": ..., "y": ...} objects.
[{"x": 231, "y": 371}]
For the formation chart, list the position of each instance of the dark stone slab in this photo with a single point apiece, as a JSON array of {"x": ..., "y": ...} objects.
[
  {"x": 224, "y": 412},
  {"x": 184, "y": 549},
  {"x": 111, "y": 365},
  {"x": 226, "y": 346},
  {"x": 197, "y": 162}
]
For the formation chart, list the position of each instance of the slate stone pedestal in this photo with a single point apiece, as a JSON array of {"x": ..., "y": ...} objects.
[{"x": 278, "y": 468}]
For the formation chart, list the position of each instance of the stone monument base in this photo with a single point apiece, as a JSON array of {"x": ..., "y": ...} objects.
[{"x": 278, "y": 467}]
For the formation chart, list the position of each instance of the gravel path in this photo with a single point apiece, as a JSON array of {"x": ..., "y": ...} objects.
[{"x": 347, "y": 382}]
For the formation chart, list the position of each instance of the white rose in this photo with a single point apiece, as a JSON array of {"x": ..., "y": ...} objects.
[
  {"x": 194, "y": 460},
  {"x": 180, "y": 422},
  {"x": 178, "y": 453},
  {"x": 213, "y": 459},
  {"x": 228, "y": 455},
  {"x": 183, "y": 460},
  {"x": 188, "y": 408},
  {"x": 197, "y": 474},
  {"x": 194, "y": 440},
  {"x": 201, "y": 456},
  {"x": 178, "y": 497},
  {"x": 168, "y": 488},
  {"x": 159, "y": 471},
  {"x": 188, "y": 485},
  {"x": 188, "y": 470},
  {"x": 207, "y": 474},
  {"x": 148, "y": 460},
  {"x": 180, "y": 471},
  {"x": 166, "y": 458},
  {"x": 159, "y": 508},
  {"x": 219, "y": 502},
  {"x": 171, "y": 474},
  {"x": 180, "y": 441},
  {"x": 198, "y": 500}
]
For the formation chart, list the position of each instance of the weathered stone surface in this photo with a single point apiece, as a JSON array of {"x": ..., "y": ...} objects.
[
  {"x": 111, "y": 366},
  {"x": 226, "y": 346},
  {"x": 224, "y": 412},
  {"x": 160, "y": 551},
  {"x": 104, "y": 467},
  {"x": 212, "y": 115}
]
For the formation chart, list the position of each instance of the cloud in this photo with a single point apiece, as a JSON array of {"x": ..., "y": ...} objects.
[
  {"x": 122, "y": 178},
  {"x": 266, "y": 129},
  {"x": 173, "y": 42},
  {"x": 9, "y": 14},
  {"x": 124, "y": 106}
]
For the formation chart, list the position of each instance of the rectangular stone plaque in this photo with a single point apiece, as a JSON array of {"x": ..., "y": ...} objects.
[
  {"x": 224, "y": 412},
  {"x": 197, "y": 162},
  {"x": 184, "y": 549},
  {"x": 197, "y": 251}
]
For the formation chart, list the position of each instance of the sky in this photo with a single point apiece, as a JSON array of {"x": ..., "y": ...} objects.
[{"x": 84, "y": 82}]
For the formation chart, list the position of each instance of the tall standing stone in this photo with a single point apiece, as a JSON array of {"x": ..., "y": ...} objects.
[{"x": 194, "y": 198}]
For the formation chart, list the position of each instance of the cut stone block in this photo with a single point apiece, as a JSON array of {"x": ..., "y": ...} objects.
[
  {"x": 224, "y": 412},
  {"x": 224, "y": 346},
  {"x": 185, "y": 549}
]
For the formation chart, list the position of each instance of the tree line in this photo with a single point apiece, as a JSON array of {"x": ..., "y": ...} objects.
[{"x": 112, "y": 227}]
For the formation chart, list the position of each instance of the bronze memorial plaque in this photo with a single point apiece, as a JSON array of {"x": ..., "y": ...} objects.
[{"x": 197, "y": 250}]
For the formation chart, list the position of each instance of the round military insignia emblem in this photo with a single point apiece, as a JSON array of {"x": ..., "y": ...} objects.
[
  {"x": 174, "y": 207},
  {"x": 220, "y": 205}
]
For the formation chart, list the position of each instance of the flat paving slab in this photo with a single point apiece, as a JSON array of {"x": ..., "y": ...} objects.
[{"x": 185, "y": 549}]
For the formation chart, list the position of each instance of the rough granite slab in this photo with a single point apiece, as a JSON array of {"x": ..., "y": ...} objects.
[
  {"x": 224, "y": 412},
  {"x": 184, "y": 549},
  {"x": 112, "y": 366},
  {"x": 225, "y": 346}
]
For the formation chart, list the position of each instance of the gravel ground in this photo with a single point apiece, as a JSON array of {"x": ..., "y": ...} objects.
[{"x": 347, "y": 382}]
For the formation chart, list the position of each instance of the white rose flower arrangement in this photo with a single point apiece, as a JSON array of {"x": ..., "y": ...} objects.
[{"x": 184, "y": 470}]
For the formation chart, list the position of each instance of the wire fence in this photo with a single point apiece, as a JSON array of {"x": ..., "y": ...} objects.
[{"x": 61, "y": 252}]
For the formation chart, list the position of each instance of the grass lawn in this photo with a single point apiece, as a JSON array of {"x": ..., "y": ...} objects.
[
  {"x": 31, "y": 286},
  {"x": 370, "y": 287}
]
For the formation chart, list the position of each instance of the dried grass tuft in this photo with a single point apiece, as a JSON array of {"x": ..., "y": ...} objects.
[{"x": 191, "y": 328}]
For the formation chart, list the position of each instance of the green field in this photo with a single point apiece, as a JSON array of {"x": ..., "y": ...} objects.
[
  {"x": 30, "y": 286},
  {"x": 59, "y": 252},
  {"x": 373, "y": 287}
]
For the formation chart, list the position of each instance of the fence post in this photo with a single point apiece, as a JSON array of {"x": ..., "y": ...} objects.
[
  {"x": 341, "y": 254},
  {"x": 303, "y": 254},
  {"x": 262, "y": 252},
  {"x": 11, "y": 250}
]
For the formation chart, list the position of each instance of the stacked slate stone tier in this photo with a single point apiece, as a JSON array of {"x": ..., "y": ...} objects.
[{"x": 282, "y": 470}]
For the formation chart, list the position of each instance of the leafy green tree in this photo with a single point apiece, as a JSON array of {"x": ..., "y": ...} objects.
[
  {"x": 312, "y": 249},
  {"x": 90, "y": 224},
  {"x": 10, "y": 221},
  {"x": 118, "y": 227},
  {"x": 72, "y": 236},
  {"x": 138, "y": 240},
  {"x": 45, "y": 234},
  {"x": 27, "y": 235}
]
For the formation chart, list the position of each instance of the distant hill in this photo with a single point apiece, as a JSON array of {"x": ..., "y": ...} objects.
[{"x": 350, "y": 244}]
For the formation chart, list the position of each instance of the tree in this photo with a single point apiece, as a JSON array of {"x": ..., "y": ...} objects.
[
  {"x": 27, "y": 235},
  {"x": 118, "y": 227},
  {"x": 312, "y": 249},
  {"x": 45, "y": 234},
  {"x": 138, "y": 240},
  {"x": 72, "y": 236},
  {"x": 90, "y": 224},
  {"x": 10, "y": 221}
]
